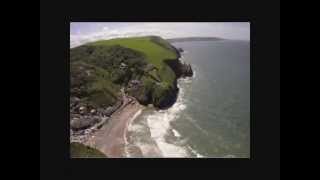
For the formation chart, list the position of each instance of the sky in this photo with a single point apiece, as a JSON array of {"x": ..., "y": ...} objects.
[{"x": 84, "y": 32}]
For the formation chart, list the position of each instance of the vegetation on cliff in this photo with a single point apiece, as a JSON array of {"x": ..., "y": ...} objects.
[
  {"x": 142, "y": 65},
  {"x": 155, "y": 50}
]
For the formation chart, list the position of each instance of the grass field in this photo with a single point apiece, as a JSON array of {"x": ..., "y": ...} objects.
[
  {"x": 155, "y": 53},
  {"x": 99, "y": 69}
]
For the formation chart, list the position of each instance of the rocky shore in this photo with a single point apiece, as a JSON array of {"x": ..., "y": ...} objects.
[{"x": 85, "y": 119}]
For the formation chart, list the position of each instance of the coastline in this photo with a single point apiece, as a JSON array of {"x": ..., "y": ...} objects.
[
  {"x": 111, "y": 138},
  {"x": 133, "y": 131},
  {"x": 131, "y": 149}
]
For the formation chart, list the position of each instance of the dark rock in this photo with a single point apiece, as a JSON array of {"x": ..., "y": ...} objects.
[
  {"x": 99, "y": 126},
  {"x": 186, "y": 70},
  {"x": 180, "y": 69},
  {"x": 168, "y": 99},
  {"x": 84, "y": 122}
]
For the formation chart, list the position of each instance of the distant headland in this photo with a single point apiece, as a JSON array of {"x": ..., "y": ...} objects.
[{"x": 185, "y": 39}]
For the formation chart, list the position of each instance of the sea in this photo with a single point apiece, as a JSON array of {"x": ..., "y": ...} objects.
[{"x": 211, "y": 117}]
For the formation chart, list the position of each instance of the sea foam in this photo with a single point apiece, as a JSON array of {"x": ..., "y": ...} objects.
[
  {"x": 176, "y": 133},
  {"x": 198, "y": 155},
  {"x": 159, "y": 125}
]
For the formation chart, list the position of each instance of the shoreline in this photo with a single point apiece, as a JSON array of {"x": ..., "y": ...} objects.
[
  {"x": 136, "y": 149},
  {"x": 111, "y": 138}
]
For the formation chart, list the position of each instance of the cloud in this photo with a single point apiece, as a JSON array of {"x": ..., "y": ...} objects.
[{"x": 81, "y": 33}]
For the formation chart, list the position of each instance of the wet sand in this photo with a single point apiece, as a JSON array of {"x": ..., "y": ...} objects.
[{"x": 111, "y": 138}]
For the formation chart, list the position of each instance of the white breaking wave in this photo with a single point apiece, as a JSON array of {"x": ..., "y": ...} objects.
[
  {"x": 194, "y": 73},
  {"x": 159, "y": 124},
  {"x": 130, "y": 126},
  {"x": 197, "y": 126},
  {"x": 135, "y": 128},
  {"x": 148, "y": 150},
  {"x": 187, "y": 80},
  {"x": 195, "y": 152},
  {"x": 176, "y": 133}
]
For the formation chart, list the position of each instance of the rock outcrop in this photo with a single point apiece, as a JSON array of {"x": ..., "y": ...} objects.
[{"x": 180, "y": 69}]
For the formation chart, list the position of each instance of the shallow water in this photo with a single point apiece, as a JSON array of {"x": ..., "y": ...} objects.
[{"x": 211, "y": 117}]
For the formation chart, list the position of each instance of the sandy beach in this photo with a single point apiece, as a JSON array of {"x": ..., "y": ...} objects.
[{"x": 111, "y": 138}]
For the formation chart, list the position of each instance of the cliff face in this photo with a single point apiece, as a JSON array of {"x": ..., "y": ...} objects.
[
  {"x": 169, "y": 95},
  {"x": 180, "y": 69}
]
